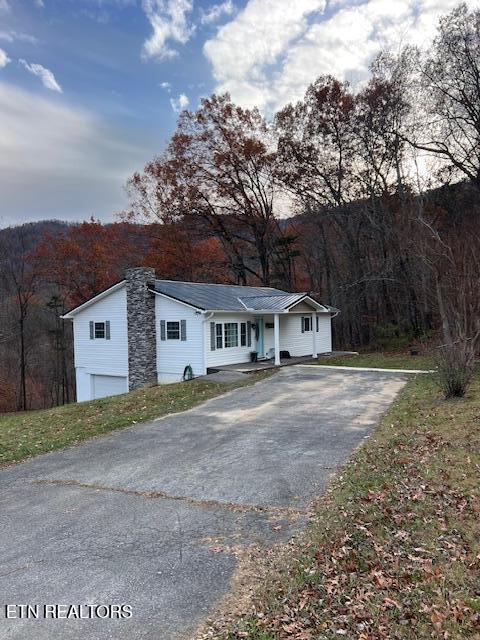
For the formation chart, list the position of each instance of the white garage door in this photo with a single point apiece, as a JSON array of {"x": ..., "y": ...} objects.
[{"x": 104, "y": 386}]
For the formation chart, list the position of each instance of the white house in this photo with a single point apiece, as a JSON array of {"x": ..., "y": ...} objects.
[{"x": 143, "y": 330}]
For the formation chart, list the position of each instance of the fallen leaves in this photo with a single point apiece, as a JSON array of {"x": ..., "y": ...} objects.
[{"x": 393, "y": 550}]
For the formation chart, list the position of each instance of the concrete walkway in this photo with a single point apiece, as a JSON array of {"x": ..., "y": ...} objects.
[
  {"x": 152, "y": 516},
  {"x": 341, "y": 367}
]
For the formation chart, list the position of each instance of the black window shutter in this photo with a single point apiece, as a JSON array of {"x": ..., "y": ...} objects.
[
  {"x": 249, "y": 334},
  {"x": 162, "y": 329},
  {"x": 303, "y": 324},
  {"x": 317, "y": 322},
  {"x": 212, "y": 336},
  {"x": 91, "y": 329},
  {"x": 183, "y": 330},
  {"x": 107, "y": 329}
]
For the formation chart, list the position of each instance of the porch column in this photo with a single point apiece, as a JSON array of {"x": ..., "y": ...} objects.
[
  {"x": 314, "y": 333},
  {"x": 276, "y": 333}
]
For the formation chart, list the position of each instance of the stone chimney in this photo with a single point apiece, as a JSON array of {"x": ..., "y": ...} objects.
[{"x": 142, "y": 347}]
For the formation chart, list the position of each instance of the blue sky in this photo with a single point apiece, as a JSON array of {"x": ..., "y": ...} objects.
[{"x": 91, "y": 89}]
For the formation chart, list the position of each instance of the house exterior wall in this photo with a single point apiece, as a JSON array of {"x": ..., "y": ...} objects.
[
  {"x": 227, "y": 355},
  {"x": 324, "y": 335},
  {"x": 174, "y": 355},
  {"x": 101, "y": 356},
  {"x": 301, "y": 344}
]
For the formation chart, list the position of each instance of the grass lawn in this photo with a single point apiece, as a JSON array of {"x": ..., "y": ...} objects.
[
  {"x": 393, "y": 550},
  {"x": 381, "y": 361},
  {"x": 27, "y": 434}
]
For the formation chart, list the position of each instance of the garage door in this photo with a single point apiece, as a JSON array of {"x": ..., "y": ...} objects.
[{"x": 104, "y": 386}]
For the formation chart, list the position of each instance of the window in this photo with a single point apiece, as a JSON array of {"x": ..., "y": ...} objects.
[
  {"x": 99, "y": 330},
  {"x": 306, "y": 323},
  {"x": 173, "y": 330},
  {"x": 219, "y": 334},
  {"x": 243, "y": 334},
  {"x": 231, "y": 334}
]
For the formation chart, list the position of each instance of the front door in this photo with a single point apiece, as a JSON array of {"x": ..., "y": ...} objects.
[{"x": 259, "y": 335}]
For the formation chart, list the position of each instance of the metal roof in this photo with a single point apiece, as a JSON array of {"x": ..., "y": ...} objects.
[
  {"x": 224, "y": 297},
  {"x": 275, "y": 302},
  {"x": 227, "y": 297}
]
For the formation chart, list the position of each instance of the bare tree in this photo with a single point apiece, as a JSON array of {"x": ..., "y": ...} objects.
[
  {"x": 20, "y": 280},
  {"x": 449, "y": 126}
]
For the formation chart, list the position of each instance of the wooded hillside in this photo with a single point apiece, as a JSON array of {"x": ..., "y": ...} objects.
[{"x": 369, "y": 199}]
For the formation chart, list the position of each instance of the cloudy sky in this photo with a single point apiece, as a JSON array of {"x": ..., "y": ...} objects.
[{"x": 90, "y": 89}]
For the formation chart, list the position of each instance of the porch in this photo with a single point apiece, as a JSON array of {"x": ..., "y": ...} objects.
[
  {"x": 250, "y": 367},
  {"x": 261, "y": 365},
  {"x": 292, "y": 331}
]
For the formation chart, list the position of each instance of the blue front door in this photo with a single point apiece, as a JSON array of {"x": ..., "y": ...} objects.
[{"x": 259, "y": 333}]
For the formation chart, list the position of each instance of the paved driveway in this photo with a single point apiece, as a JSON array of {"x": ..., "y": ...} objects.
[{"x": 151, "y": 516}]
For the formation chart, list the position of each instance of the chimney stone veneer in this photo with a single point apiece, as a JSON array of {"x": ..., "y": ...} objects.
[{"x": 142, "y": 348}]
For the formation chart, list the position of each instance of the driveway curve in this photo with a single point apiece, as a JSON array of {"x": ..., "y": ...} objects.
[{"x": 150, "y": 516}]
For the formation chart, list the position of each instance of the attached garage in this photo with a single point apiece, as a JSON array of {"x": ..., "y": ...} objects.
[{"x": 103, "y": 386}]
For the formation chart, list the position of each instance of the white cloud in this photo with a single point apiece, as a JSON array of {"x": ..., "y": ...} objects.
[
  {"x": 72, "y": 166},
  {"x": 166, "y": 85},
  {"x": 40, "y": 4},
  {"x": 45, "y": 75},
  {"x": 180, "y": 103},
  {"x": 216, "y": 11},
  {"x": 11, "y": 35},
  {"x": 4, "y": 5},
  {"x": 168, "y": 19},
  {"x": 269, "y": 53},
  {"x": 244, "y": 50},
  {"x": 4, "y": 59}
]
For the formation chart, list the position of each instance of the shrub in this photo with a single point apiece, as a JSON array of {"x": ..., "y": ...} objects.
[{"x": 455, "y": 366}]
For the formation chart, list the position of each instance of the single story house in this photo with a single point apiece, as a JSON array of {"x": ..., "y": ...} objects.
[{"x": 145, "y": 331}]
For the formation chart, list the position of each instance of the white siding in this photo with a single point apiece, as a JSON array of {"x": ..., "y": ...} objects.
[
  {"x": 101, "y": 356},
  {"x": 174, "y": 355},
  {"x": 104, "y": 386},
  {"x": 301, "y": 344},
  {"x": 228, "y": 355},
  {"x": 324, "y": 335}
]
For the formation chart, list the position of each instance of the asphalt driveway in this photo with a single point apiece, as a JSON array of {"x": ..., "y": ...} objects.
[{"x": 151, "y": 516}]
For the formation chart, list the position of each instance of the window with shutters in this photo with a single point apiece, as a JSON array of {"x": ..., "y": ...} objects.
[
  {"x": 231, "y": 334},
  {"x": 99, "y": 330},
  {"x": 243, "y": 334},
  {"x": 173, "y": 330}
]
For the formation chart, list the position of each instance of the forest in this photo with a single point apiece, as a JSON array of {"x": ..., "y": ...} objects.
[{"x": 366, "y": 197}]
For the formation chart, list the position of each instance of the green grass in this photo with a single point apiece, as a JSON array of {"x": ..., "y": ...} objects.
[
  {"x": 23, "y": 435},
  {"x": 393, "y": 550},
  {"x": 381, "y": 360}
]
